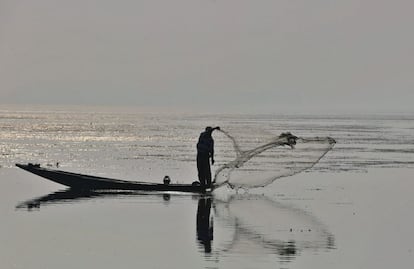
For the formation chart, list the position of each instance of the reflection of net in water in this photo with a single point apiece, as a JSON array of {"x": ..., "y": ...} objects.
[
  {"x": 274, "y": 159},
  {"x": 283, "y": 230}
]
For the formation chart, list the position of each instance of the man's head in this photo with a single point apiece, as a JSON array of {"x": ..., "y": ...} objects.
[{"x": 210, "y": 129}]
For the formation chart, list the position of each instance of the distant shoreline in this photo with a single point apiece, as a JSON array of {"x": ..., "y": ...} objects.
[{"x": 176, "y": 110}]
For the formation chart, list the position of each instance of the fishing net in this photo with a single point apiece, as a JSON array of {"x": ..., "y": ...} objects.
[{"x": 266, "y": 160}]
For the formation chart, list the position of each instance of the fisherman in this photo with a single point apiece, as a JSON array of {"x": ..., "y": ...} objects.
[{"x": 205, "y": 151}]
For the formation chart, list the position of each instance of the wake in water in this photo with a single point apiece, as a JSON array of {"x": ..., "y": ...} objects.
[{"x": 282, "y": 156}]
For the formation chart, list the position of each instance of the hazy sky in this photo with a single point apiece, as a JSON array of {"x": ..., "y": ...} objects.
[{"x": 264, "y": 54}]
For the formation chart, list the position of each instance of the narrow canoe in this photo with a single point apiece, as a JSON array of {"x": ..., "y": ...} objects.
[{"x": 86, "y": 182}]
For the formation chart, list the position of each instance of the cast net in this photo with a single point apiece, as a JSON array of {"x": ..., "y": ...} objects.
[{"x": 277, "y": 157}]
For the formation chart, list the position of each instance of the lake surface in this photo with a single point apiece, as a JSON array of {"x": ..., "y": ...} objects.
[{"x": 351, "y": 210}]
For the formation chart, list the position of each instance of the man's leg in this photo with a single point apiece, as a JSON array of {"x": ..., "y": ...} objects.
[
  {"x": 200, "y": 168},
  {"x": 208, "y": 173}
]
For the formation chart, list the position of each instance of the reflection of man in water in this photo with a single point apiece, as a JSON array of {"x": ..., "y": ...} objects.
[
  {"x": 205, "y": 151},
  {"x": 204, "y": 229}
]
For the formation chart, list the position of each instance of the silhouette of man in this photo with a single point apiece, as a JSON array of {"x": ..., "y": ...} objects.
[{"x": 205, "y": 151}]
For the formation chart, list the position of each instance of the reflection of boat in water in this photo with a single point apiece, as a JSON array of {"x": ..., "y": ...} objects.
[
  {"x": 70, "y": 196},
  {"x": 75, "y": 195},
  {"x": 254, "y": 224}
]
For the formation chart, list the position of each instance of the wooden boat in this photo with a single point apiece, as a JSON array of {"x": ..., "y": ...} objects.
[{"x": 86, "y": 182}]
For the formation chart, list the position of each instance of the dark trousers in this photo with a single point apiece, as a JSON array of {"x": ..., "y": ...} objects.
[{"x": 203, "y": 167}]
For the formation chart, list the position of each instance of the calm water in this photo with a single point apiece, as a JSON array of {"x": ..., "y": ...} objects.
[
  {"x": 47, "y": 226},
  {"x": 151, "y": 145}
]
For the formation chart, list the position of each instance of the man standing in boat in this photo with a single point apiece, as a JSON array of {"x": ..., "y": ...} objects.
[{"x": 205, "y": 151}]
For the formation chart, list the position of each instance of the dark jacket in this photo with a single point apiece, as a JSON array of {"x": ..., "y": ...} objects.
[{"x": 205, "y": 144}]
